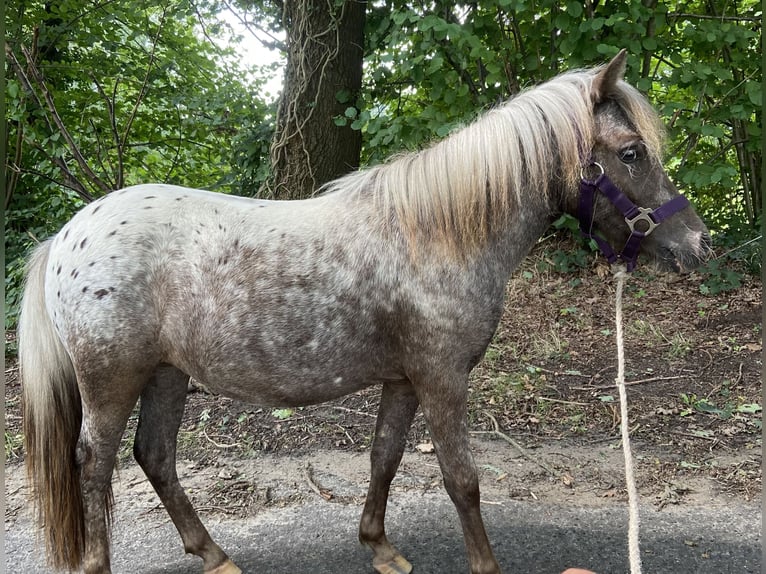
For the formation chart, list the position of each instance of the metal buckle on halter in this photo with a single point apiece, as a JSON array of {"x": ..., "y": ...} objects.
[{"x": 644, "y": 214}]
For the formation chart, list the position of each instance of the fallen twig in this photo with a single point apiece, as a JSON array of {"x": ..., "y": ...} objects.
[
  {"x": 563, "y": 402},
  {"x": 630, "y": 383},
  {"x": 497, "y": 432},
  {"x": 692, "y": 435},
  {"x": 323, "y": 492},
  {"x": 348, "y": 410},
  {"x": 219, "y": 445},
  {"x": 561, "y": 373}
]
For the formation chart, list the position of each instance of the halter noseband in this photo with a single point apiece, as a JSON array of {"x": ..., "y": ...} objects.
[{"x": 640, "y": 220}]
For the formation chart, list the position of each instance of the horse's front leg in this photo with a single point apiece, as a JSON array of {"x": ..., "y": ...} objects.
[
  {"x": 444, "y": 404},
  {"x": 398, "y": 404}
]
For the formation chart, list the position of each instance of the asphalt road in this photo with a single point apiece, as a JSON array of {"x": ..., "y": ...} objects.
[{"x": 528, "y": 537}]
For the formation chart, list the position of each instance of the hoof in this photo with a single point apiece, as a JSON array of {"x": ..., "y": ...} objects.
[
  {"x": 398, "y": 565},
  {"x": 227, "y": 567}
]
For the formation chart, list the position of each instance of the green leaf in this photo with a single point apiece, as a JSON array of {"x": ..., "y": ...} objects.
[
  {"x": 753, "y": 90},
  {"x": 351, "y": 112},
  {"x": 649, "y": 44},
  {"x": 282, "y": 414},
  {"x": 12, "y": 88},
  {"x": 575, "y": 9},
  {"x": 749, "y": 408}
]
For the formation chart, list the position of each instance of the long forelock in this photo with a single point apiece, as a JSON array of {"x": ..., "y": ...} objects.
[{"x": 642, "y": 117}]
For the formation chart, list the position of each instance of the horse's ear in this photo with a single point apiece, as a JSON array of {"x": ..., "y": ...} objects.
[{"x": 607, "y": 78}]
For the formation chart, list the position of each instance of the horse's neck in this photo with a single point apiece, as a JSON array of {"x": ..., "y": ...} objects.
[{"x": 522, "y": 231}]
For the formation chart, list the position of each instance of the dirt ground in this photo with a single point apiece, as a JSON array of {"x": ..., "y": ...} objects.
[{"x": 543, "y": 408}]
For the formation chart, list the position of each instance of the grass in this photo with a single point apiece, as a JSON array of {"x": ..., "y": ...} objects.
[
  {"x": 680, "y": 346},
  {"x": 13, "y": 445},
  {"x": 549, "y": 346}
]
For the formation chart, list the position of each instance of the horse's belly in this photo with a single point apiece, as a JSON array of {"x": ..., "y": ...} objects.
[{"x": 287, "y": 386}]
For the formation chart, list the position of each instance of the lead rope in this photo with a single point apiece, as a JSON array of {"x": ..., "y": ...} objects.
[{"x": 634, "y": 554}]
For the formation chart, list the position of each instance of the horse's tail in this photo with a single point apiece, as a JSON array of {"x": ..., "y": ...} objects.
[{"x": 52, "y": 414}]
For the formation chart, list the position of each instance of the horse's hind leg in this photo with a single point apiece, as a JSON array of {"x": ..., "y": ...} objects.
[
  {"x": 105, "y": 412},
  {"x": 398, "y": 404},
  {"x": 162, "y": 407}
]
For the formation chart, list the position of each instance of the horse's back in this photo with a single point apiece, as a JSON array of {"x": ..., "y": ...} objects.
[
  {"x": 223, "y": 287},
  {"x": 116, "y": 264}
]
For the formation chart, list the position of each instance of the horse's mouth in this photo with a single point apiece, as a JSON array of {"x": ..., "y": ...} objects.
[{"x": 680, "y": 261}]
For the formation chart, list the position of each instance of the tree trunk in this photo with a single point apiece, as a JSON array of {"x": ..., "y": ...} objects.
[{"x": 323, "y": 79}]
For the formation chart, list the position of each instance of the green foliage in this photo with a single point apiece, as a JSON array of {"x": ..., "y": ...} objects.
[
  {"x": 719, "y": 278},
  {"x": 282, "y": 414},
  {"x": 565, "y": 261},
  {"x": 740, "y": 254},
  {"x": 101, "y": 96},
  {"x": 431, "y": 69},
  {"x": 568, "y": 260},
  {"x": 727, "y": 407}
]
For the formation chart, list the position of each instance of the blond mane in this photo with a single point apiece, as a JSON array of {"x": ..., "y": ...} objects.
[{"x": 461, "y": 190}]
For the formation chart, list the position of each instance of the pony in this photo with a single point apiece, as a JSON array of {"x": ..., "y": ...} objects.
[{"x": 393, "y": 276}]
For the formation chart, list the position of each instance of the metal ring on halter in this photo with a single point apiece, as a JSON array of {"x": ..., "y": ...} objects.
[{"x": 598, "y": 165}]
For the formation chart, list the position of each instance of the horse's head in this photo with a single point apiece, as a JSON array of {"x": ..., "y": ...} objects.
[{"x": 626, "y": 153}]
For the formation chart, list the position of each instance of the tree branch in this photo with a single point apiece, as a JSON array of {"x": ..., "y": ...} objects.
[
  {"x": 141, "y": 94},
  {"x": 71, "y": 181},
  {"x": 73, "y": 148},
  {"x": 709, "y": 17}
]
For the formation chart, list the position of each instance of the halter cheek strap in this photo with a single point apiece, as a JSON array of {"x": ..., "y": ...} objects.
[{"x": 640, "y": 220}]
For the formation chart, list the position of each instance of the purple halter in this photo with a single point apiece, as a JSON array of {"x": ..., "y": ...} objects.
[{"x": 640, "y": 220}]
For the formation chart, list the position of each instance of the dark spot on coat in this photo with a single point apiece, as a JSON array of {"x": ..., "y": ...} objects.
[
  {"x": 150, "y": 197},
  {"x": 58, "y": 271},
  {"x": 83, "y": 242},
  {"x": 179, "y": 198},
  {"x": 112, "y": 257},
  {"x": 66, "y": 234},
  {"x": 97, "y": 208},
  {"x": 58, "y": 294},
  {"x": 123, "y": 222},
  {"x": 91, "y": 264},
  {"x": 112, "y": 233},
  {"x": 111, "y": 289},
  {"x": 73, "y": 273},
  {"x": 101, "y": 293},
  {"x": 85, "y": 289},
  {"x": 148, "y": 207},
  {"x": 236, "y": 244}
]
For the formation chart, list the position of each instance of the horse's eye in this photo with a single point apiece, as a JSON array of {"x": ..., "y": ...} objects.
[{"x": 630, "y": 154}]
